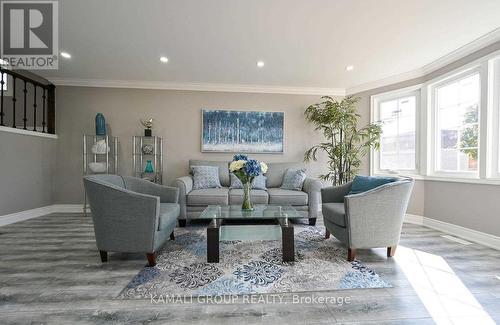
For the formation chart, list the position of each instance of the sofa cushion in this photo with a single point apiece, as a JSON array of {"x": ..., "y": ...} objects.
[
  {"x": 258, "y": 196},
  {"x": 168, "y": 214},
  {"x": 334, "y": 212},
  {"x": 205, "y": 177},
  {"x": 210, "y": 196},
  {"x": 276, "y": 171},
  {"x": 223, "y": 169},
  {"x": 294, "y": 179},
  {"x": 362, "y": 184},
  {"x": 287, "y": 197}
]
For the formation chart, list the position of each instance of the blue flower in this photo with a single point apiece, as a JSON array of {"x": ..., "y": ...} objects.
[
  {"x": 252, "y": 168},
  {"x": 240, "y": 157}
]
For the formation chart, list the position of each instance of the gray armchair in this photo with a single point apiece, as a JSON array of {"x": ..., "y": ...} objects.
[
  {"x": 366, "y": 220},
  {"x": 130, "y": 214}
]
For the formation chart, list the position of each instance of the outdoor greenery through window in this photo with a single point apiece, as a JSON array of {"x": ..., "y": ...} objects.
[
  {"x": 457, "y": 125},
  {"x": 398, "y": 142}
]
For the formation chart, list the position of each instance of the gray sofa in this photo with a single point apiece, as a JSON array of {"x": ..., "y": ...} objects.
[
  {"x": 193, "y": 202},
  {"x": 366, "y": 220},
  {"x": 130, "y": 214}
]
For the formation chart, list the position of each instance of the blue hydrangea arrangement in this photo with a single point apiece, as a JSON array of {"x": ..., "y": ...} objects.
[{"x": 246, "y": 170}]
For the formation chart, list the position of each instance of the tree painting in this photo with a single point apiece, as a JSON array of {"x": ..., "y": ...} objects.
[{"x": 242, "y": 131}]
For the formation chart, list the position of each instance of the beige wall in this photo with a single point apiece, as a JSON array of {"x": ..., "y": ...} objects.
[
  {"x": 473, "y": 206},
  {"x": 177, "y": 117},
  {"x": 26, "y": 172}
]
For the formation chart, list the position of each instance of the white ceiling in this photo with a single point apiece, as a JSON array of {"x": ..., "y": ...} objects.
[{"x": 304, "y": 43}]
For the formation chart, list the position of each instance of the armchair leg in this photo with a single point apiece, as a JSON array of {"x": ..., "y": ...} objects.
[
  {"x": 312, "y": 221},
  {"x": 351, "y": 254},
  {"x": 104, "y": 256},
  {"x": 391, "y": 251},
  {"x": 327, "y": 234},
  {"x": 172, "y": 236},
  {"x": 151, "y": 259},
  {"x": 182, "y": 222}
]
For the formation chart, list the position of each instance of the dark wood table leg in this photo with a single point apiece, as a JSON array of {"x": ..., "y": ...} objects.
[
  {"x": 287, "y": 240},
  {"x": 213, "y": 242}
]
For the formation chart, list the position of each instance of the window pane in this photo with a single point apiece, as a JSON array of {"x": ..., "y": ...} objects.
[
  {"x": 457, "y": 125},
  {"x": 398, "y": 145}
]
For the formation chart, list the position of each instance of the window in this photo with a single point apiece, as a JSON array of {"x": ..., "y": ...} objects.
[
  {"x": 446, "y": 129},
  {"x": 456, "y": 116},
  {"x": 397, "y": 114}
]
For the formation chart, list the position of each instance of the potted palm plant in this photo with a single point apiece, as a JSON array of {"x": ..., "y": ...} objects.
[{"x": 345, "y": 144}]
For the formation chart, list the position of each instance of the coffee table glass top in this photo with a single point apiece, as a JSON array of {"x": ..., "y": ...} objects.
[{"x": 259, "y": 212}]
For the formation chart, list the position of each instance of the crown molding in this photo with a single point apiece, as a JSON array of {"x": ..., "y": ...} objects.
[
  {"x": 467, "y": 49},
  {"x": 240, "y": 88}
]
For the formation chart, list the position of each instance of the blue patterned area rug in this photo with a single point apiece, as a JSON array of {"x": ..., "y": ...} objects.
[{"x": 248, "y": 267}]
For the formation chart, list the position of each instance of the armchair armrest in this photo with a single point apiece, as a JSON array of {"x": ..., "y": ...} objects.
[
  {"x": 375, "y": 217},
  {"x": 185, "y": 185},
  {"x": 167, "y": 194},
  {"x": 335, "y": 194}
]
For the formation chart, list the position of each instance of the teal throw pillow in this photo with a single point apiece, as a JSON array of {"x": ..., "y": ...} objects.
[{"x": 362, "y": 184}]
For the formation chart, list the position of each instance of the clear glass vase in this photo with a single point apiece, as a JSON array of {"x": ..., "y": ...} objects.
[{"x": 247, "y": 198}]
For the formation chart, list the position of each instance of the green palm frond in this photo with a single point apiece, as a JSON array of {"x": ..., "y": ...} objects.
[{"x": 345, "y": 143}]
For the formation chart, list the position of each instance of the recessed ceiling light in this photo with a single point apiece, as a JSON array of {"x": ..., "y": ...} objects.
[
  {"x": 349, "y": 68},
  {"x": 260, "y": 64},
  {"x": 66, "y": 55},
  {"x": 164, "y": 59}
]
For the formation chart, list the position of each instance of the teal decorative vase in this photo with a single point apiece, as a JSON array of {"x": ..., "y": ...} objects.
[
  {"x": 149, "y": 167},
  {"x": 100, "y": 124},
  {"x": 247, "y": 198}
]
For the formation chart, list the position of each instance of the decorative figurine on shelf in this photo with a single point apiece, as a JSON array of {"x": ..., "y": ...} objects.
[
  {"x": 149, "y": 167},
  {"x": 148, "y": 124},
  {"x": 100, "y": 147},
  {"x": 148, "y": 149},
  {"x": 100, "y": 124}
]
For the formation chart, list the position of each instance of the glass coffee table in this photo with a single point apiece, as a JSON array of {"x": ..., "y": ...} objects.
[{"x": 265, "y": 222}]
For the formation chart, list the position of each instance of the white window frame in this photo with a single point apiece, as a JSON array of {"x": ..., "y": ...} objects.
[
  {"x": 493, "y": 136},
  {"x": 433, "y": 136},
  {"x": 375, "y": 101}
]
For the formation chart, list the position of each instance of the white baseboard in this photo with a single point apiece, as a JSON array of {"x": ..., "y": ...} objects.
[
  {"x": 25, "y": 215},
  {"x": 38, "y": 212},
  {"x": 68, "y": 208},
  {"x": 414, "y": 219},
  {"x": 459, "y": 231}
]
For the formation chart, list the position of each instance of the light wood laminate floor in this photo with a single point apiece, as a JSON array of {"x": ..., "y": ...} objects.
[{"x": 50, "y": 273}]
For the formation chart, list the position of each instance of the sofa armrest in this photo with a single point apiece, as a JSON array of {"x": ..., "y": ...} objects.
[
  {"x": 313, "y": 189},
  {"x": 167, "y": 194},
  {"x": 335, "y": 194},
  {"x": 185, "y": 185},
  {"x": 374, "y": 218}
]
